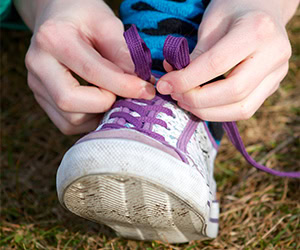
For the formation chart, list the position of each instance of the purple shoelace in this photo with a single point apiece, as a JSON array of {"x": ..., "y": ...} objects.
[
  {"x": 176, "y": 53},
  {"x": 146, "y": 117}
]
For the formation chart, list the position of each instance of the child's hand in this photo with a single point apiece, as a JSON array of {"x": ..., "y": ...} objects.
[
  {"x": 247, "y": 36},
  {"x": 84, "y": 37}
]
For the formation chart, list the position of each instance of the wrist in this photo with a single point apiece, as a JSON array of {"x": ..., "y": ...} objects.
[
  {"x": 281, "y": 10},
  {"x": 30, "y": 10},
  {"x": 288, "y": 9}
]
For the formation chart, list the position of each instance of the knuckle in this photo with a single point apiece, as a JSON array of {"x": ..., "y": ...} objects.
[
  {"x": 116, "y": 23},
  {"x": 183, "y": 83},
  {"x": 238, "y": 91},
  {"x": 67, "y": 129},
  {"x": 285, "y": 69},
  {"x": 110, "y": 24},
  {"x": 31, "y": 60},
  {"x": 246, "y": 111},
  {"x": 53, "y": 34},
  {"x": 286, "y": 50},
  {"x": 134, "y": 90},
  {"x": 63, "y": 102},
  {"x": 201, "y": 114},
  {"x": 107, "y": 104},
  {"x": 46, "y": 34},
  {"x": 88, "y": 69},
  {"x": 186, "y": 98},
  {"x": 264, "y": 25},
  {"x": 215, "y": 62},
  {"x": 191, "y": 99},
  {"x": 76, "y": 120},
  {"x": 123, "y": 90},
  {"x": 275, "y": 88}
]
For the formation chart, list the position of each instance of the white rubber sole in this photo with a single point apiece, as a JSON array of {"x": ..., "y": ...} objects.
[{"x": 139, "y": 191}]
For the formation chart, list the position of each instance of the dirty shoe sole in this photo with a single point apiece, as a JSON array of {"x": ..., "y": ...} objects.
[{"x": 139, "y": 191}]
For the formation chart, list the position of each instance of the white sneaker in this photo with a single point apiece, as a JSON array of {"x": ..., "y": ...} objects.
[{"x": 146, "y": 172}]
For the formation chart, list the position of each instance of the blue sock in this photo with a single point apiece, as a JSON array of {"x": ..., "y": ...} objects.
[{"x": 156, "y": 19}]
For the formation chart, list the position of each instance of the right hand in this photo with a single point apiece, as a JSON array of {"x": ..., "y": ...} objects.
[{"x": 85, "y": 38}]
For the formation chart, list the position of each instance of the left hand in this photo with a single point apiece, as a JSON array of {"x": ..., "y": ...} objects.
[{"x": 245, "y": 36}]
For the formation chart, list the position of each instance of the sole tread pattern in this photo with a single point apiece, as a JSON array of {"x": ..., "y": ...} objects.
[{"x": 134, "y": 208}]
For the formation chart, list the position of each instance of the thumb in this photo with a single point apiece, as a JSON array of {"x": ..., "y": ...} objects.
[{"x": 110, "y": 43}]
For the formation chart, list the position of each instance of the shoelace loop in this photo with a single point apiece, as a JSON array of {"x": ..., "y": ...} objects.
[
  {"x": 176, "y": 52},
  {"x": 139, "y": 52}
]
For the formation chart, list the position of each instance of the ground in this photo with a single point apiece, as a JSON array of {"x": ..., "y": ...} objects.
[{"x": 257, "y": 210}]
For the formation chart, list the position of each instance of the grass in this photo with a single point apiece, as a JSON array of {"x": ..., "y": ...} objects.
[{"x": 258, "y": 211}]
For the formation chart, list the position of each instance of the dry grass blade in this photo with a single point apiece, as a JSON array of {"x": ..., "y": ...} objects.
[{"x": 281, "y": 146}]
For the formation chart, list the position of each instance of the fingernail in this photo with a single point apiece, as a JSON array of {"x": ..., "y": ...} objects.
[
  {"x": 165, "y": 88},
  {"x": 152, "y": 79},
  {"x": 148, "y": 92},
  {"x": 167, "y": 66}
]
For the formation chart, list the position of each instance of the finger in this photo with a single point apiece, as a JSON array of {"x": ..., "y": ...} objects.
[
  {"x": 247, "y": 107},
  {"x": 39, "y": 90},
  {"x": 65, "y": 90},
  {"x": 73, "y": 118},
  {"x": 167, "y": 66},
  {"x": 81, "y": 58},
  {"x": 62, "y": 124},
  {"x": 237, "y": 86},
  {"x": 229, "y": 51},
  {"x": 112, "y": 45}
]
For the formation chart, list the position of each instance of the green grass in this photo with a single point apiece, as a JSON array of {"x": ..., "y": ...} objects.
[{"x": 258, "y": 211}]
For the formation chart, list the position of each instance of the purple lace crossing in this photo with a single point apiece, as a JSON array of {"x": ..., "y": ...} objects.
[
  {"x": 143, "y": 118},
  {"x": 177, "y": 54}
]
